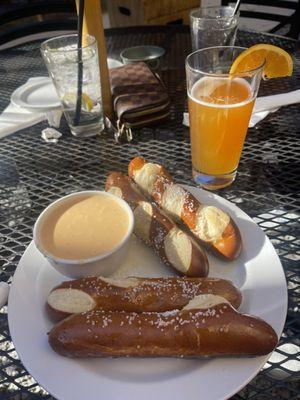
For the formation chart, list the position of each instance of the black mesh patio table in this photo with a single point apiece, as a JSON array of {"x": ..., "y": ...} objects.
[{"x": 34, "y": 173}]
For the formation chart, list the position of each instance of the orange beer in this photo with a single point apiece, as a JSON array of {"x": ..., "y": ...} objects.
[
  {"x": 219, "y": 110},
  {"x": 220, "y": 106}
]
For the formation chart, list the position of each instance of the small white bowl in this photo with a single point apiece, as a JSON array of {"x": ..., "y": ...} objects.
[{"x": 104, "y": 264}]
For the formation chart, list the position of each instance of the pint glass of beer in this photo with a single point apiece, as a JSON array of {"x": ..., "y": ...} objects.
[{"x": 220, "y": 107}]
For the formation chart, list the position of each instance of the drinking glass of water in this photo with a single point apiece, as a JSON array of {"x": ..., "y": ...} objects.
[
  {"x": 213, "y": 26},
  {"x": 70, "y": 67}
]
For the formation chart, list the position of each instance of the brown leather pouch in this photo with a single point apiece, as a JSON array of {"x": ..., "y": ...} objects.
[{"x": 139, "y": 98}]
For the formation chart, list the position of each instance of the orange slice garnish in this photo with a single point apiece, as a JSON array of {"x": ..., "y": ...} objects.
[{"x": 278, "y": 63}]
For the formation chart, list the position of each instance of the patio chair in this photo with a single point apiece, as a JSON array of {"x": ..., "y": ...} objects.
[
  {"x": 284, "y": 13},
  {"x": 35, "y": 19}
]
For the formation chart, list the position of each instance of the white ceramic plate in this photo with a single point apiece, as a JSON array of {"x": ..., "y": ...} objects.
[
  {"x": 37, "y": 95},
  {"x": 112, "y": 63},
  {"x": 258, "y": 273}
]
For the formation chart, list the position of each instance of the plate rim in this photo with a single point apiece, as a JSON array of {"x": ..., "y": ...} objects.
[
  {"x": 40, "y": 80},
  {"x": 263, "y": 359},
  {"x": 16, "y": 94}
]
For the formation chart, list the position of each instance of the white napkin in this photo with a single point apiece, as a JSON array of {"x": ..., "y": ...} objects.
[
  {"x": 269, "y": 104},
  {"x": 15, "y": 118},
  {"x": 264, "y": 106},
  {"x": 259, "y": 116}
]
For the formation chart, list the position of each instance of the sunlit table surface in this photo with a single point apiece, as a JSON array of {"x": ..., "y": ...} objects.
[{"x": 34, "y": 173}]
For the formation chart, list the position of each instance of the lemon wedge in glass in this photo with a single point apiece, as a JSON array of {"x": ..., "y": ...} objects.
[{"x": 70, "y": 100}]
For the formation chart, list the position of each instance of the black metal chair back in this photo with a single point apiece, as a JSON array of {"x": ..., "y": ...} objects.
[
  {"x": 293, "y": 20},
  {"x": 30, "y": 17}
]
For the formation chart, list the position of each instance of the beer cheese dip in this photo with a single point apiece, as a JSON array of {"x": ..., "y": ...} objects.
[{"x": 84, "y": 227}]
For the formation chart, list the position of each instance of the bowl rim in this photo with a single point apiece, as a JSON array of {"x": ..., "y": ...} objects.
[
  {"x": 160, "y": 52},
  {"x": 69, "y": 261}
]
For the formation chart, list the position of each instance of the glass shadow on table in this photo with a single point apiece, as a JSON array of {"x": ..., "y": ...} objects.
[{"x": 14, "y": 199}]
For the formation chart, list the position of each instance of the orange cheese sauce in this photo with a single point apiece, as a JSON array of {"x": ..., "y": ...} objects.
[{"x": 84, "y": 227}]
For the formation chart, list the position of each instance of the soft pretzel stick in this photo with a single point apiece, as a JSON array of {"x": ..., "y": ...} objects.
[
  {"x": 212, "y": 226},
  {"x": 211, "y": 329},
  {"x": 133, "y": 294},
  {"x": 175, "y": 247}
]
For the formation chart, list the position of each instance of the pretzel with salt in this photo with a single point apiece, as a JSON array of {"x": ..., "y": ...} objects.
[
  {"x": 215, "y": 229},
  {"x": 207, "y": 326},
  {"x": 175, "y": 247},
  {"x": 134, "y": 294}
]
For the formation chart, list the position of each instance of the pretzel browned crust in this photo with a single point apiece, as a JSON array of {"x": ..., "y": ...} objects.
[
  {"x": 174, "y": 246},
  {"x": 218, "y": 330},
  {"x": 134, "y": 294},
  {"x": 212, "y": 226}
]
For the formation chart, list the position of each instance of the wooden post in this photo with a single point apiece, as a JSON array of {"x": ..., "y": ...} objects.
[{"x": 93, "y": 25}]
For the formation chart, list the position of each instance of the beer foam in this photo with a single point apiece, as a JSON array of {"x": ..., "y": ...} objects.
[{"x": 207, "y": 85}]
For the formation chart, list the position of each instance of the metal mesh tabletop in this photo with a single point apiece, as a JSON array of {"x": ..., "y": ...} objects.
[{"x": 34, "y": 173}]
